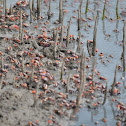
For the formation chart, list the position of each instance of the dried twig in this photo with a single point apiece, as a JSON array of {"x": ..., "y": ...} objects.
[
  {"x": 79, "y": 97},
  {"x": 82, "y": 78},
  {"x": 88, "y": 48},
  {"x": 79, "y": 42},
  {"x": 22, "y": 63},
  {"x": 79, "y": 18},
  {"x": 33, "y": 7},
  {"x": 30, "y": 6},
  {"x": 62, "y": 70},
  {"x": 68, "y": 81},
  {"x": 94, "y": 38},
  {"x": 117, "y": 6},
  {"x": 5, "y": 8},
  {"x": 68, "y": 33},
  {"x": 55, "y": 44},
  {"x": 114, "y": 81},
  {"x": 49, "y": 11},
  {"x": 20, "y": 30},
  {"x": 60, "y": 11},
  {"x": 2, "y": 65},
  {"x": 93, "y": 71},
  {"x": 105, "y": 94},
  {"x": 87, "y": 7},
  {"x": 103, "y": 17},
  {"x": 10, "y": 10},
  {"x": 38, "y": 9},
  {"x": 123, "y": 54}
]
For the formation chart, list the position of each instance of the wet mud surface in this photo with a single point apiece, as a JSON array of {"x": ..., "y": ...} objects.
[{"x": 33, "y": 92}]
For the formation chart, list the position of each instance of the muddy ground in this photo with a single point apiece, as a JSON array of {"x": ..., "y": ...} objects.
[{"x": 32, "y": 91}]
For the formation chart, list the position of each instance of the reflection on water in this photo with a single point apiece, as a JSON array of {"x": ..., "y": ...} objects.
[
  {"x": 111, "y": 105},
  {"x": 117, "y": 34},
  {"x": 107, "y": 44},
  {"x": 92, "y": 119},
  {"x": 104, "y": 27},
  {"x": 105, "y": 115},
  {"x": 124, "y": 79}
]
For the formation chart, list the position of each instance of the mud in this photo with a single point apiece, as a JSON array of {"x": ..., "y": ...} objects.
[{"x": 32, "y": 93}]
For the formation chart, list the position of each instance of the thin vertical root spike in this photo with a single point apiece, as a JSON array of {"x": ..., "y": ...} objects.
[
  {"x": 114, "y": 81},
  {"x": 105, "y": 94}
]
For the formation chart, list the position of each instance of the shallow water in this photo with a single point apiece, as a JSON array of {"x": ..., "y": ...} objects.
[{"x": 106, "y": 44}]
